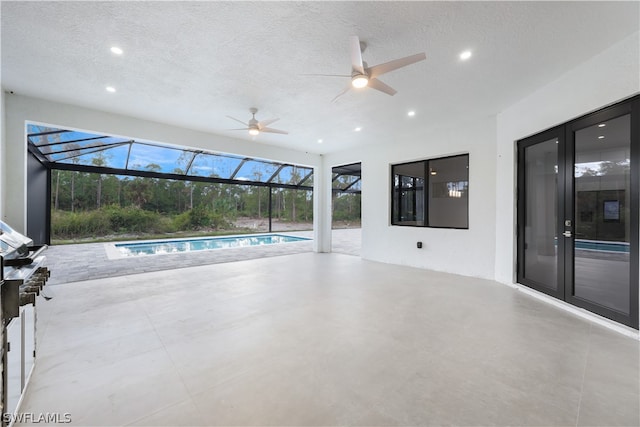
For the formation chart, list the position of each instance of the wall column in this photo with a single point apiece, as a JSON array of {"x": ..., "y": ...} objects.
[{"x": 322, "y": 207}]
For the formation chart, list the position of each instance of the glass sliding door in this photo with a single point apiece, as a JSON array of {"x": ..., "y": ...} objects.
[
  {"x": 538, "y": 204},
  {"x": 578, "y": 212},
  {"x": 603, "y": 275}
]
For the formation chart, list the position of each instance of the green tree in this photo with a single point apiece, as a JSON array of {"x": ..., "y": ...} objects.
[
  {"x": 99, "y": 159},
  {"x": 139, "y": 191}
]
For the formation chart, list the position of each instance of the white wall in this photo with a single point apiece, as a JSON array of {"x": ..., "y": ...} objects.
[
  {"x": 610, "y": 76},
  {"x": 467, "y": 252},
  {"x": 19, "y": 109},
  {"x": 2, "y": 155}
]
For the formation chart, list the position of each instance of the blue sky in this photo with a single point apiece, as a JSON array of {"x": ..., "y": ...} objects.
[{"x": 156, "y": 156}]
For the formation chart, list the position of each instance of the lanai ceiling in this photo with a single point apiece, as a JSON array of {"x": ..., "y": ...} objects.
[{"x": 193, "y": 63}]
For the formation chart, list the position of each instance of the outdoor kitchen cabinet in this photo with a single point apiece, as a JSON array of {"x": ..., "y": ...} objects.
[
  {"x": 18, "y": 357},
  {"x": 22, "y": 278}
]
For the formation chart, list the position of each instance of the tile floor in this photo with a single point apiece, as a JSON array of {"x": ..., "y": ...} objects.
[{"x": 321, "y": 340}]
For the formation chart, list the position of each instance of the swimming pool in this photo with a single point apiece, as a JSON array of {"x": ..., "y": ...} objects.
[
  {"x": 601, "y": 246},
  {"x": 202, "y": 244}
]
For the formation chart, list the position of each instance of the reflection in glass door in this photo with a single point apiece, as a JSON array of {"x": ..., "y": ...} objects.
[
  {"x": 578, "y": 206},
  {"x": 539, "y": 167},
  {"x": 602, "y": 194}
]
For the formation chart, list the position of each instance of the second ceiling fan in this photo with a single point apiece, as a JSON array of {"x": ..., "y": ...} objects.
[
  {"x": 255, "y": 127},
  {"x": 364, "y": 76}
]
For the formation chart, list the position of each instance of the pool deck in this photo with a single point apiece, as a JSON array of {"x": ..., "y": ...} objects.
[{"x": 73, "y": 263}]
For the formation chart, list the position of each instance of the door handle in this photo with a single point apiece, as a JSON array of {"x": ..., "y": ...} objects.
[{"x": 567, "y": 234}]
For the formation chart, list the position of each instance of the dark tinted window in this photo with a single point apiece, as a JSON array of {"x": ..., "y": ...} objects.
[{"x": 431, "y": 193}]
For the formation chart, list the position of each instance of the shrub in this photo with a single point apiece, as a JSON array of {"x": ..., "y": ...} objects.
[
  {"x": 218, "y": 222},
  {"x": 133, "y": 219},
  {"x": 181, "y": 221},
  {"x": 79, "y": 224},
  {"x": 199, "y": 217}
]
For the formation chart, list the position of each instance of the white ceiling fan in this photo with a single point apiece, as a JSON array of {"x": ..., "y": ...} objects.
[
  {"x": 364, "y": 76},
  {"x": 255, "y": 127}
]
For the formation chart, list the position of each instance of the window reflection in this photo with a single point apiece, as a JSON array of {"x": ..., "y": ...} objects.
[
  {"x": 540, "y": 213},
  {"x": 448, "y": 204},
  {"x": 602, "y": 176},
  {"x": 408, "y": 200},
  {"x": 441, "y": 194}
]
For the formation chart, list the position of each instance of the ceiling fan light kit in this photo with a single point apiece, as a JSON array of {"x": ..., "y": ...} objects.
[{"x": 359, "y": 81}]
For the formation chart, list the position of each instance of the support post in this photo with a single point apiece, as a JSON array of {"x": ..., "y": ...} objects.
[
  {"x": 322, "y": 191},
  {"x": 270, "y": 207}
]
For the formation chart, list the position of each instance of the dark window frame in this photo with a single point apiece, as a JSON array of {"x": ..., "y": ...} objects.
[
  {"x": 396, "y": 201},
  {"x": 565, "y": 133}
]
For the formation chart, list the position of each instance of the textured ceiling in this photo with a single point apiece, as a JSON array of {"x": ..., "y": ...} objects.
[{"x": 193, "y": 63}]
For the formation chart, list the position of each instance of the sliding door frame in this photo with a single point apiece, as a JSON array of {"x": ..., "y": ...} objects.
[
  {"x": 565, "y": 134},
  {"x": 629, "y": 107},
  {"x": 554, "y": 133}
]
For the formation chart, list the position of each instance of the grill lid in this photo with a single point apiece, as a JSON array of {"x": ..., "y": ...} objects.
[{"x": 12, "y": 243}]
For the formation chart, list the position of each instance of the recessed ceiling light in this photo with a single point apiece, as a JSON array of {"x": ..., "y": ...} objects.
[
  {"x": 601, "y": 125},
  {"x": 358, "y": 129},
  {"x": 319, "y": 141},
  {"x": 601, "y": 137},
  {"x": 116, "y": 50},
  {"x": 411, "y": 113},
  {"x": 465, "y": 55},
  {"x": 110, "y": 89},
  {"x": 434, "y": 173}
]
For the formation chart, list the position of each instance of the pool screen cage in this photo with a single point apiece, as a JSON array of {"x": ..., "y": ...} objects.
[
  {"x": 347, "y": 178},
  {"x": 63, "y": 149}
]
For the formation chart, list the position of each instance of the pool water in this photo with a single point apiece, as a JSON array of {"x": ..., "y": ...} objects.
[
  {"x": 601, "y": 246},
  {"x": 202, "y": 244}
]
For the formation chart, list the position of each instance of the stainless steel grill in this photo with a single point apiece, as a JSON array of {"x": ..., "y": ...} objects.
[
  {"x": 23, "y": 270},
  {"x": 23, "y": 275}
]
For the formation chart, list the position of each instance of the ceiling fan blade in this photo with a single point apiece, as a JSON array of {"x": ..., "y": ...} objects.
[
  {"x": 378, "y": 70},
  {"x": 356, "y": 54},
  {"x": 326, "y": 75},
  {"x": 239, "y": 121},
  {"x": 265, "y": 123},
  {"x": 239, "y": 129},
  {"x": 382, "y": 87},
  {"x": 341, "y": 93},
  {"x": 270, "y": 130}
]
